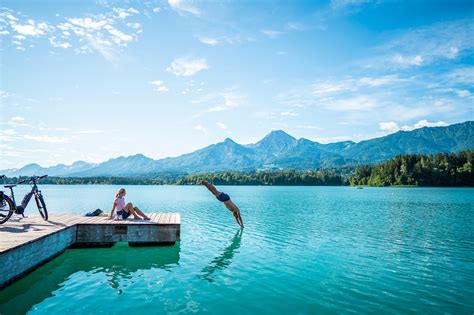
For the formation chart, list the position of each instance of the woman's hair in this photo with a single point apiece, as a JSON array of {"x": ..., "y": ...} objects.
[{"x": 119, "y": 192}]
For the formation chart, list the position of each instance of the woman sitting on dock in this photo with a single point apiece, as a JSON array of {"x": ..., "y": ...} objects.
[
  {"x": 224, "y": 198},
  {"x": 125, "y": 210}
]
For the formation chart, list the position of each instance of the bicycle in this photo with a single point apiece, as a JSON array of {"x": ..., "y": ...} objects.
[{"x": 8, "y": 204}]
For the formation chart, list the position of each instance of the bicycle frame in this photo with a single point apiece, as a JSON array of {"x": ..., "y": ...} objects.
[{"x": 26, "y": 200}]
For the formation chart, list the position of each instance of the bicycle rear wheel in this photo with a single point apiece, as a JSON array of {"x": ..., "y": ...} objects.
[
  {"x": 6, "y": 208},
  {"x": 41, "y": 206}
]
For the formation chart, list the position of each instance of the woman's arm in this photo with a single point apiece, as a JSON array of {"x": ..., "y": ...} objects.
[{"x": 112, "y": 211}]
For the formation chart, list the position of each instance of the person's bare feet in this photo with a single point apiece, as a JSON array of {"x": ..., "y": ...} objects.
[{"x": 147, "y": 218}]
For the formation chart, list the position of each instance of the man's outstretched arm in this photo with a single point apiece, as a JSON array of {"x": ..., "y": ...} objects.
[{"x": 210, "y": 187}]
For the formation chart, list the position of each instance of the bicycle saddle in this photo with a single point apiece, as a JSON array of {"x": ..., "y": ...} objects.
[{"x": 9, "y": 186}]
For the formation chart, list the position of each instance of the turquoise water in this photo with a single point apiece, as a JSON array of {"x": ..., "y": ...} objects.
[{"x": 304, "y": 250}]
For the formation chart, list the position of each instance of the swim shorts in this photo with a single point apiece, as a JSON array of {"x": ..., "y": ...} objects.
[
  {"x": 123, "y": 213},
  {"x": 223, "y": 197}
]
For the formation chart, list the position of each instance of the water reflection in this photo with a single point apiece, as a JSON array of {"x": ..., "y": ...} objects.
[
  {"x": 118, "y": 262},
  {"x": 222, "y": 261}
]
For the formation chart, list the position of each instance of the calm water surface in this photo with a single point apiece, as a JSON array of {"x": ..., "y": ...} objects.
[{"x": 304, "y": 250}]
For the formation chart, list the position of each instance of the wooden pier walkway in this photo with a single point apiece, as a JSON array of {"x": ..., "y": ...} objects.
[{"x": 26, "y": 243}]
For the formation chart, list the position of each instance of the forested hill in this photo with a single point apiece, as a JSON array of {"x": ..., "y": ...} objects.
[{"x": 445, "y": 169}]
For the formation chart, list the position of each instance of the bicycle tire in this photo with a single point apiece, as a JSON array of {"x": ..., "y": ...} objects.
[
  {"x": 6, "y": 208},
  {"x": 41, "y": 206}
]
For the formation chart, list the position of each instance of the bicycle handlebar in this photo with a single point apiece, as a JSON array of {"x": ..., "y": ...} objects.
[{"x": 32, "y": 179}]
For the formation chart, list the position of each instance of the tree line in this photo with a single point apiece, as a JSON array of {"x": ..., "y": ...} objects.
[{"x": 443, "y": 169}]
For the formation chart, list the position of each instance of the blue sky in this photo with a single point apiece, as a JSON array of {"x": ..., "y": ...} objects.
[{"x": 93, "y": 80}]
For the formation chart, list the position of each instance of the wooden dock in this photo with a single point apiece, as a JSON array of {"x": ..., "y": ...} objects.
[{"x": 26, "y": 243}]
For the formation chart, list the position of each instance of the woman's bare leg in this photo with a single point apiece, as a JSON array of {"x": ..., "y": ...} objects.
[
  {"x": 145, "y": 217},
  {"x": 129, "y": 208}
]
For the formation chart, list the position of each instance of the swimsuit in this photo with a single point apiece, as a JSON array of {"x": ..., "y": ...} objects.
[{"x": 223, "y": 197}]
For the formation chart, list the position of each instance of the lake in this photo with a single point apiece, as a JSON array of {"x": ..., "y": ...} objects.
[{"x": 304, "y": 250}]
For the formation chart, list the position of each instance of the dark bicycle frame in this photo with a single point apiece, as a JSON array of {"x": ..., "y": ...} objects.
[{"x": 34, "y": 191}]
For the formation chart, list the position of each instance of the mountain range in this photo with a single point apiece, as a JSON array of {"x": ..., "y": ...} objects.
[{"x": 276, "y": 151}]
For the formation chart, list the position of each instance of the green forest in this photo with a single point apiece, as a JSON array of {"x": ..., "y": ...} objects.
[{"x": 443, "y": 169}]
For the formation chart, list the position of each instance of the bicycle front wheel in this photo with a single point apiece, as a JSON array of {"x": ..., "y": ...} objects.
[
  {"x": 6, "y": 208},
  {"x": 41, "y": 206}
]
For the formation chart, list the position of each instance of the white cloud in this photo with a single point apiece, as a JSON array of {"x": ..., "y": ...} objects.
[
  {"x": 463, "y": 75},
  {"x": 389, "y": 126},
  {"x": 209, "y": 40},
  {"x": 427, "y": 44},
  {"x": 156, "y": 10},
  {"x": 45, "y": 138},
  {"x": 134, "y": 25},
  {"x": 117, "y": 36},
  {"x": 102, "y": 33},
  {"x": 32, "y": 29},
  {"x": 271, "y": 33},
  {"x": 159, "y": 86},
  {"x": 425, "y": 123},
  {"x": 57, "y": 44},
  {"x": 287, "y": 113},
  {"x": 217, "y": 40},
  {"x": 221, "y": 125},
  {"x": 123, "y": 13},
  {"x": 226, "y": 100},
  {"x": 332, "y": 87},
  {"x": 17, "y": 119},
  {"x": 392, "y": 126},
  {"x": 11, "y": 17},
  {"x": 200, "y": 128},
  {"x": 88, "y": 23},
  {"x": 407, "y": 60},
  {"x": 218, "y": 108},
  {"x": 295, "y": 26},
  {"x": 379, "y": 81},
  {"x": 187, "y": 67},
  {"x": 463, "y": 93},
  {"x": 184, "y": 7}
]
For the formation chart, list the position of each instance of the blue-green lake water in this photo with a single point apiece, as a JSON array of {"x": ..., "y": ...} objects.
[{"x": 304, "y": 250}]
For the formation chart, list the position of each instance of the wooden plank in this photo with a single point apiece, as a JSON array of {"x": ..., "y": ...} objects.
[
  {"x": 167, "y": 218},
  {"x": 173, "y": 218}
]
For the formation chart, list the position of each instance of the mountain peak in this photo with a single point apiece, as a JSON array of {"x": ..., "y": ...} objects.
[
  {"x": 279, "y": 134},
  {"x": 275, "y": 142}
]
